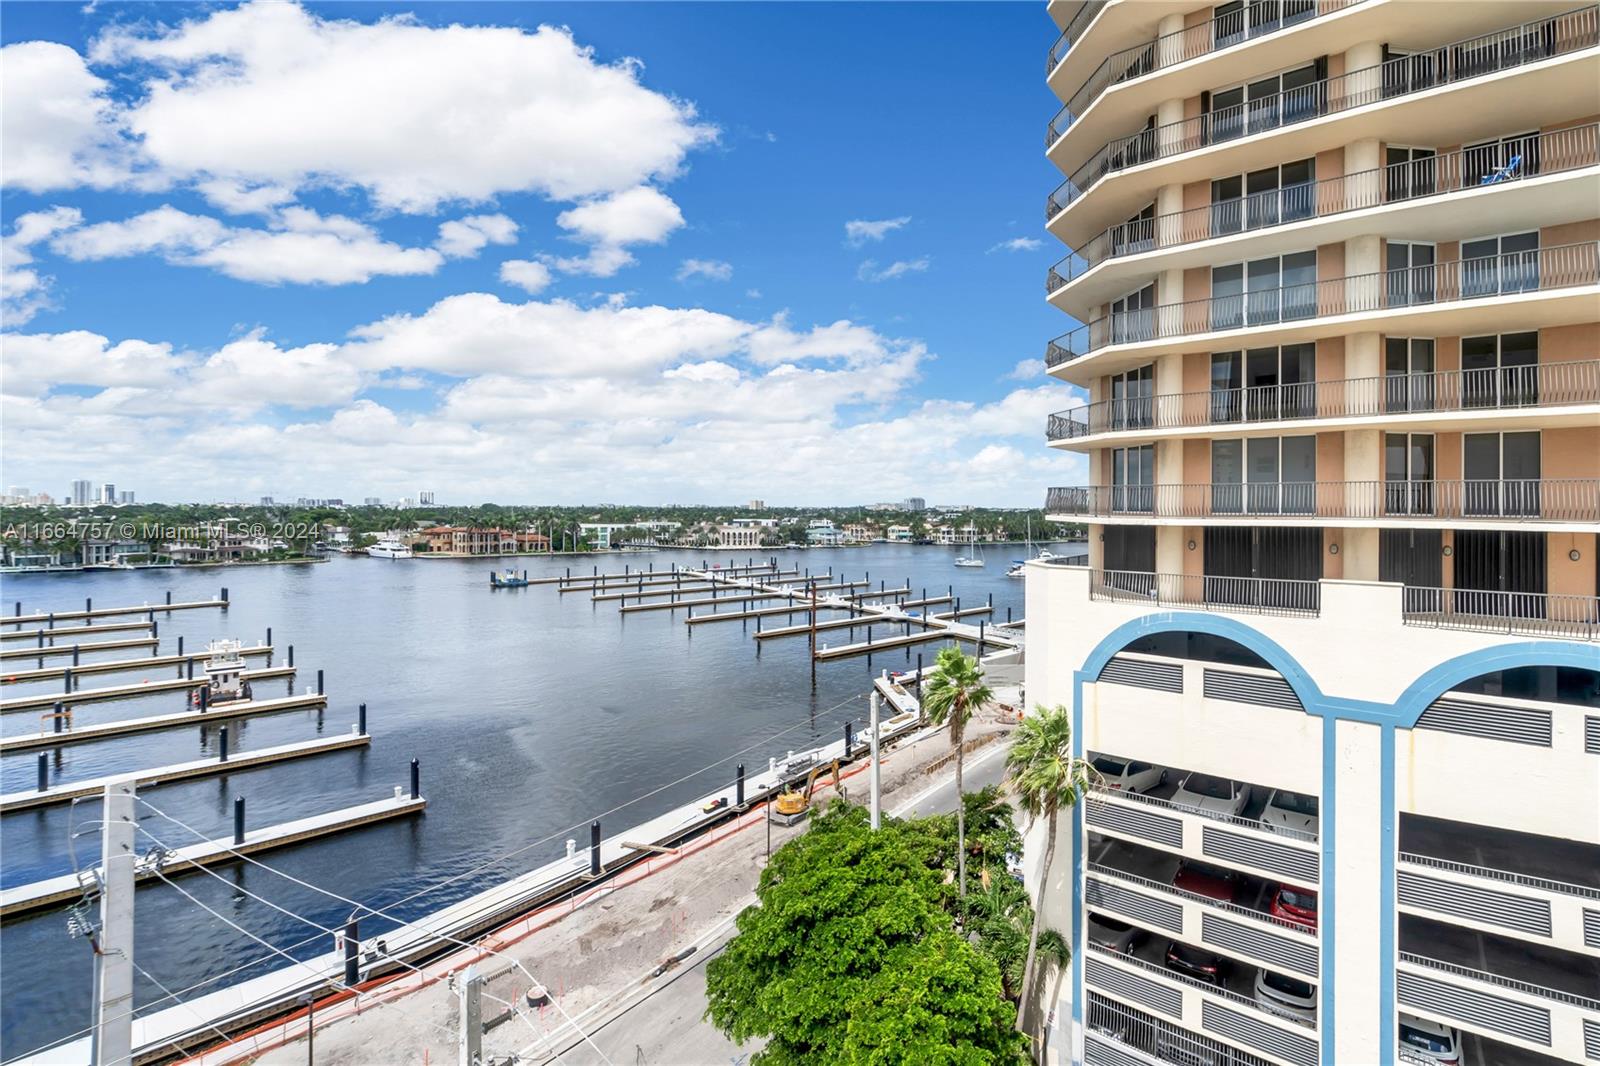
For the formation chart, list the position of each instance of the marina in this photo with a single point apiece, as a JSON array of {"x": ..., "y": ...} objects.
[
  {"x": 117, "y": 666},
  {"x": 73, "y": 697},
  {"x": 90, "y": 611},
  {"x": 576, "y": 667},
  {"x": 54, "y": 650},
  {"x": 51, "y": 634}
]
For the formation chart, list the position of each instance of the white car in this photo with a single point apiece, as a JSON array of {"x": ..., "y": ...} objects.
[
  {"x": 1428, "y": 1043},
  {"x": 1211, "y": 795},
  {"x": 1292, "y": 811},
  {"x": 1127, "y": 776},
  {"x": 1287, "y": 997}
]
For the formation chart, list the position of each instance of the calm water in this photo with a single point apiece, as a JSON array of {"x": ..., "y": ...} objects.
[{"x": 531, "y": 712}]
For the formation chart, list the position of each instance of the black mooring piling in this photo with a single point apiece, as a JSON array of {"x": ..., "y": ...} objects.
[
  {"x": 222, "y": 744},
  {"x": 238, "y": 819},
  {"x": 361, "y": 719},
  {"x": 738, "y": 781},
  {"x": 416, "y": 779},
  {"x": 594, "y": 849},
  {"x": 44, "y": 773},
  {"x": 352, "y": 954}
]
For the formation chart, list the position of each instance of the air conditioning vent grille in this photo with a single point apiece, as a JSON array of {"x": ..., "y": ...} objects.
[
  {"x": 1514, "y": 725},
  {"x": 1142, "y": 673},
  {"x": 1251, "y": 688},
  {"x": 1487, "y": 905}
]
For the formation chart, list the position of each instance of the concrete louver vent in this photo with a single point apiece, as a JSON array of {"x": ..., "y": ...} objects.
[
  {"x": 1234, "y": 937},
  {"x": 1487, "y": 905},
  {"x": 1168, "y": 1001},
  {"x": 1480, "y": 1009},
  {"x": 1515, "y": 725},
  {"x": 1251, "y": 688},
  {"x": 1591, "y": 1040},
  {"x": 1591, "y": 734},
  {"x": 1241, "y": 1027},
  {"x": 1162, "y": 828},
  {"x": 1141, "y": 673},
  {"x": 1591, "y": 928},
  {"x": 1101, "y": 1052},
  {"x": 1107, "y": 895},
  {"x": 1300, "y": 867}
]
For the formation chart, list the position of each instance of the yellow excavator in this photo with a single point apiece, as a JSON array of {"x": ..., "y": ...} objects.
[{"x": 792, "y": 804}]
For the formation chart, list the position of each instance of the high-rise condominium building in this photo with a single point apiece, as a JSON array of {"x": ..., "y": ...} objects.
[
  {"x": 82, "y": 492},
  {"x": 108, "y": 493},
  {"x": 1336, "y": 651},
  {"x": 425, "y": 499}
]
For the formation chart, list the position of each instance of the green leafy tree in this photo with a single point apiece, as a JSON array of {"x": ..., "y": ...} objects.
[
  {"x": 851, "y": 956},
  {"x": 951, "y": 695},
  {"x": 1048, "y": 778}
]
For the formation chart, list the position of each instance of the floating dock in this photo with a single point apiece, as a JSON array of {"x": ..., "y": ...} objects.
[
  {"x": 52, "y": 650},
  {"x": 999, "y": 640},
  {"x": 880, "y": 594},
  {"x": 111, "y": 612},
  {"x": 214, "y": 767},
  {"x": 116, "y": 666},
  {"x": 50, "y": 634},
  {"x": 734, "y": 597},
  {"x": 24, "y": 899},
  {"x": 123, "y": 692},
  {"x": 767, "y": 612},
  {"x": 854, "y": 622},
  {"x": 217, "y": 713}
]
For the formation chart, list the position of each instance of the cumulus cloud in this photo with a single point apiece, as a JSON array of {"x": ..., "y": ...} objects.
[
  {"x": 859, "y": 231},
  {"x": 709, "y": 269},
  {"x": 24, "y": 291},
  {"x": 58, "y": 126},
  {"x": 525, "y": 274},
  {"x": 1025, "y": 370},
  {"x": 289, "y": 100},
  {"x": 869, "y": 270},
  {"x": 464, "y": 237},
  {"x": 610, "y": 224},
  {"x": 1017, "y": 244}
]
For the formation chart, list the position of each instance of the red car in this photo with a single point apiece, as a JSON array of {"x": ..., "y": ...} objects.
[
  {"x": 1214, "y": 882},
  {"x": 1297, "y": 905}
]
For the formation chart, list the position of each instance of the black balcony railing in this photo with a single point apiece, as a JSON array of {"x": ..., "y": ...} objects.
[
  {"x": 1449, "y": 174},
  {"x": 1075, "y": 26},
  {"x": 1554, "y": 384},
  {"x": 1488, "y": 277},
  {"x": 1256, "y": 19},
  {"x": 1249, "y": 595},
  {"x": 1492, "y": 500},
  {"x": 1570, "y": 617},
  {"x": 1477, "y": 57}
]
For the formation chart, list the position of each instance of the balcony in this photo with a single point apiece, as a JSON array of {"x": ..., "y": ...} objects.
[
  {"x": 1247, "y": 24},
  {"x": 1417, "y": 182},
  {"x": 1234, "y": 595},
  {"x": 1080, "y": 21},
  {"x": 1461, "y": 281},
  {"x": 1497, "y": 502},
  {"x": 1451, "y": 64},
  {"x": 1392, "y": 398},
  {"x": 1533, "y": 614}
]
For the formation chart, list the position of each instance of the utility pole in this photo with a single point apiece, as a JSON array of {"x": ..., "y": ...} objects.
[
  {"x": 113, "y": 960},
  {"x": 470, "y": 988},
  {"x": 877, "y": 767}
]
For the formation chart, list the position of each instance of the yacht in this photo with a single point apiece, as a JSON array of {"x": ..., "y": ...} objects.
[
  {"x": 973, "y": 557},
  {"x": 1019, "y": 566},
  {"x": 389, "y": 549}
]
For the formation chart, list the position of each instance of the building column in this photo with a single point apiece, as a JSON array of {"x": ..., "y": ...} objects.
[
  {"x": 1169, "y": 135},
  {"x": 1358, "y": 944}
]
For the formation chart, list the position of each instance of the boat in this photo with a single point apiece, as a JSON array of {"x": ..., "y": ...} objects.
[
  {"x": 974, "y": 557},
  {"x": 1019, "y": 566},
  {"x": 225, "y": 681},
  {"x": 507, "y": 579},
  {"x": 389, "y": 549}
]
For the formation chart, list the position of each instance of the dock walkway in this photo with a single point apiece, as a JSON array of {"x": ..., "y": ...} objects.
[
  {"x": 50, "y": 633},
  {"x": 109, "y": 612},
  {"x": 124, "y": 692},
  {"x": 50, "y": 651},
  {"x": 218, "y": 713},
  {"x": 117, "y": 666}
]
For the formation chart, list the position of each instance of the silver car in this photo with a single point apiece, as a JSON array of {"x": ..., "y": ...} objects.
[
  {"x": 1293, "y": 813},
  {"x": 1208, "y": 794},
  {"x": 1286, "y": 997},
  {"x": 1127, "y": 775}
]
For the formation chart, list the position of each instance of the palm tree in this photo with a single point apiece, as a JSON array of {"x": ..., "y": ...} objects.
[
  {"x": 1047, "y": 778},
  {"x": 1053, "y": 948},
  {"x": 953, "y": 692}
]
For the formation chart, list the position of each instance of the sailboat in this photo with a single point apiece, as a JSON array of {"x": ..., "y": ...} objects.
[
  {"x": 1019, "y": 566},
  {"x": 973, "y": 557}
]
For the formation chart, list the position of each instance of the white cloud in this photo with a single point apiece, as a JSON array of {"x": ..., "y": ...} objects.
[
  {"x": 642, "y": 215},
  {"x": 56, "y": 129},
  {"x": 24, "y": 292},
  {"x": 752, "y": 294},
  {"x": 710, "y": 269},
  {"x": 270, "y": 95},
  {"x": 1025, "y": 370},
  {"x": 1017, "y": 244},
  {"x": 35, "y": 363},
  {"x": 464, "y": 237},
  {"x": 870, "y": 271},
  {"x": 300, "y": 246},
  {"x": 525, "y": 274},
  {"x": 859, "y": 231}
]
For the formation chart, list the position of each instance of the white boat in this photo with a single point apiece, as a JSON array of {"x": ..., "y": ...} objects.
[
  {"x": 974, "y": 557},
  {"x": 1019, "y": 566},
  {"x": 389, "y": 549}
]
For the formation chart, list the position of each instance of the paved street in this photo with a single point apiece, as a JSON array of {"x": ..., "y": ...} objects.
[{"x": 665, "y": 1028}]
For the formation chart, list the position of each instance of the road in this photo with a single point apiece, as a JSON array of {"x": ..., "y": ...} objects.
[{"x": 664, "y": 1027}]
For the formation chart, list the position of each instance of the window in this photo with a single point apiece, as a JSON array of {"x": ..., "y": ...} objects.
[
  {"x": 1407, "y": 72},
  {"x": 1265, "y": 103},
  {"x": 1408, "y": 473},
  {"x": 1264, "y": 475},
  {"x": 1409, "y": 172},
  {"x": 1500, "y": 371},
  {"x": 1130, "y": 398},
  {"x": 1262, "y": 552},
  {"x": 1133, "y": 316},
  {"x": 1226, "y": 387},
  {"x": 1133, "y": 472},
  {"x": 1135, "y": 235},
  {"x": 1500, "y": 473},
  {"x": 1415, "y": 558},
  {"x": 1500, "y": 572},
  {"x": 1130, "y": 548},
  {"x": 1494, "y": 265},
  {"x": 1410, "y": 278},
  {"x": 1262, "y": 291},
  {"x": 1408, "y": 374},
  {"x": 1267, "y": 197},
  {"x": 1280, "y": 382}
]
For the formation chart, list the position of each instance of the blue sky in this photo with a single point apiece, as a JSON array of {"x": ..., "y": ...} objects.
[{"x": 307, "y": 251}]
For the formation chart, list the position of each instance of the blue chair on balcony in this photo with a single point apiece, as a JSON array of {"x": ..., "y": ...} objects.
[{"x": 1505, "y": 173}]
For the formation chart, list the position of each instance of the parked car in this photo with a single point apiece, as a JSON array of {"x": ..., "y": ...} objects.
[
  {"x": 1293, "y": 811},
  {"x": 1208, "y": 794},
  {"x": 1287, "y": 997},
  {"x": 1126, "y": 775},
  {"x": 1206, "y": 880},
  {"x": 1428, "y": 1043},
  {"x": 1297, "y": 905},
  {"x": 1198, "y": 963},
  {"x": 1112, "y": 935}
]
